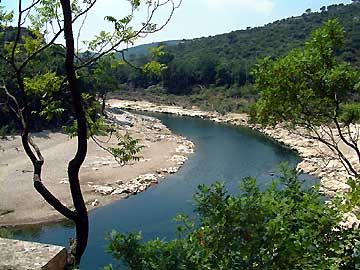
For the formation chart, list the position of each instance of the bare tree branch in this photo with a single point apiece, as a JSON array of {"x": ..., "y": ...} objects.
[
  {"x": 84, "y": 11},
  {"x": 33, "y": 4},
  {"x": 135, "y": 34},
  {"x": 18, "y": 32},
  {"x": 28, "y": 9},
  {"x": 351, "y": 145},
  {"x": 79, "y": 33},
  {"x": 54, "y": 38},
  {"x": 122, "y": 52}
]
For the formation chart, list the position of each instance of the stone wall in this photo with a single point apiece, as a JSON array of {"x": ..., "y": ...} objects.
[{"x": 21, "y": 255}]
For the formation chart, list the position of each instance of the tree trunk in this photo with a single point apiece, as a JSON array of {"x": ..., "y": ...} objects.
[
  {"x": 81, "y": 220},
  {"x": 103, "y": 104}
]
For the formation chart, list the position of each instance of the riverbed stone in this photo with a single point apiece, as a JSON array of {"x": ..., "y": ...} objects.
[
  {"x": 178, "y": 159},
  {"x": 104, "y": 190},
  {"x": 21, "y": 255},
  {"x": 170, "y": 170}
]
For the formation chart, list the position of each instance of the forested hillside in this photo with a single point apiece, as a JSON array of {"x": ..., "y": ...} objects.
[
  {"x": 143, "y": 50},
  {"x": 274, "y": 39},
  {"x": 216, "y": 71},
  {"x": 211, "y": 72}
]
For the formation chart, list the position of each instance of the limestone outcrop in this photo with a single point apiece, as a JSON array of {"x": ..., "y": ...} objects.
[{"x": 17, "y": 255}]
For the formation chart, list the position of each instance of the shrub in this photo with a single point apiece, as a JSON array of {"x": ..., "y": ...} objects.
[{"x": 284, "y": 226}]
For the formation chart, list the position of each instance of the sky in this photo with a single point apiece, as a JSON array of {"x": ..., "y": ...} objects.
[{"x": 200, "y": 18}]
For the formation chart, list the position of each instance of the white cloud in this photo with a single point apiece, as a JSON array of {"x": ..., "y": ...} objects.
[{"x": 262, "y": 6}]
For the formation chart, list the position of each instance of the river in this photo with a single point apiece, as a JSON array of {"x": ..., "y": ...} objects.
[{"x": 223, "y": 153}]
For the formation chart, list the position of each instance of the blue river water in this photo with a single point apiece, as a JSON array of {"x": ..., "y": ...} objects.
[{"x": 223, "y": 153}]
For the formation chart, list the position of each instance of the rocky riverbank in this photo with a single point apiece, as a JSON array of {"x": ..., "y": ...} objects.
[
  {"x": 103, "y": 180},
  {"x": 317, "y": 159}
]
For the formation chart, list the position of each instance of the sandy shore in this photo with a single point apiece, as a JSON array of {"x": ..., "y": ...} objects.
[{"x": 103, "y": 180}]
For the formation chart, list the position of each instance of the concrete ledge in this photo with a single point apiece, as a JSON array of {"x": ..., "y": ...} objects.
[{"x": 21, "y": 255}]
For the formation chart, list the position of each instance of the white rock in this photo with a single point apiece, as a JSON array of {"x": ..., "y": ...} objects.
[
  {"x": 350, "y": 221},
  {"x": 170, "y": 170},
  {"x": 95, "y": 203},
  {"x": 147, "y": 177},
  {"x": 104, "y": 190},
  {"x": 334, "y": 185},
  {"x": 184, "y": 149},
  {"x": 118, "y": 191},
  {"x": 64, "y": 181},
  {"x": 178, "y": 159}
]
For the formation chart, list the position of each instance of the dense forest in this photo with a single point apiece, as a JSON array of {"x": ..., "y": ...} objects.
[
  {"x": 211, "y": 72},
  {"x": 215, "y": 72}
]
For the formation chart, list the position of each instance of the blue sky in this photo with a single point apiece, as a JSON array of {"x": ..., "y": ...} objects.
[{"x": 198, "y": 18}]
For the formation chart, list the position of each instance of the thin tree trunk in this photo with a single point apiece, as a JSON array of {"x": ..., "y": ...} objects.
[
  {"x": 81, "y": 220},
  {"x": 103, "y": 104}
]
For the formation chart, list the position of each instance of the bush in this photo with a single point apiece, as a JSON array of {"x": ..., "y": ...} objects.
[
  {"x": 3, "y": 132},
  {"x": 283, "y": 227},
  {"x": 5, "y": 233}
]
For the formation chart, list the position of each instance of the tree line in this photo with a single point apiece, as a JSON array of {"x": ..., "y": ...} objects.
[
  {"x": 216, "y": 70},
  {"x": 212, "y": 72}
]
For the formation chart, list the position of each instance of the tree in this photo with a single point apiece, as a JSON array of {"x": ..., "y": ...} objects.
[
  {"x": 283, "y": 226},
  {"x": 205, "y": 68},
  {"x": 105, "y": 79},
  {"x": 19, "y": 58},
  {"x": 310, "y": 88}
]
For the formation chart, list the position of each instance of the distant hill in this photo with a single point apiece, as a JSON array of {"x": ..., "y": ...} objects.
[
  {"x": 143, "y": 50},
  {"x": 216, "y": 70},
  {"x": 276, "y": 38},
  {"x": 9, "y": 34},
  {"x": 227, "y": 59}
]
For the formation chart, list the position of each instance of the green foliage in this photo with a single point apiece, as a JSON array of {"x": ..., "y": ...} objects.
[
  {"x": 46, "y": 87},
  {"x": 48, "y": 11},
  {"x": 154, "y": 67},
  {"x": 5, "y": 233},
  {"x": 220, "y": 64},
  {"x": 5, "y": 17},
  {"x": 285, "y": 226},
  {"x": 307, "y": 86},
  {"x": 124, "y": 31},
  {"x": 350, "y": 113},
  {"x": 224, "y": 61},
  {"x": 31, "y": 44},
  {"x": 127, "y": 148},
  {"x": 100, "y": 79},
  {"x": 96, "y": 127},
  {"x": 3, "y": 131},
  {"x": 353, "y": 197}
]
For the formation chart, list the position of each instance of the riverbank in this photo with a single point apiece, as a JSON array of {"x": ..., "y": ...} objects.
[
  {"x": 317, "y": 159},
  {"x": 103, "y": 180}
]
